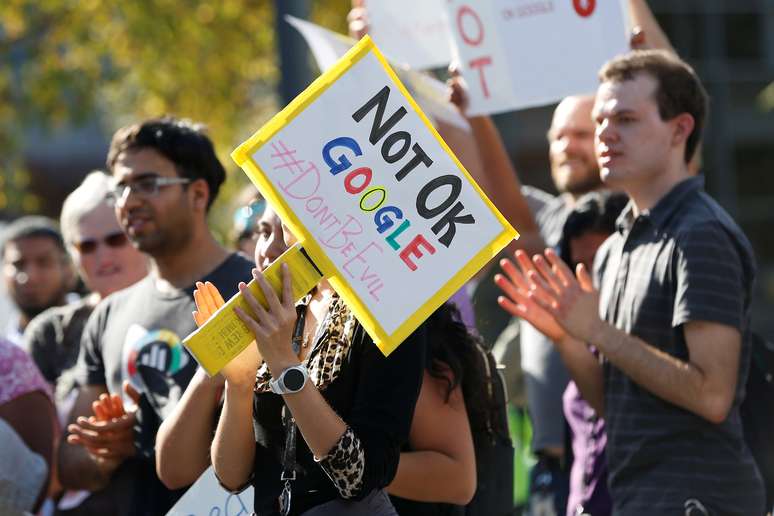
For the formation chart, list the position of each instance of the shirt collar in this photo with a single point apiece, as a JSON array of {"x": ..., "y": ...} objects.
[{"x": 659, "y": 214}]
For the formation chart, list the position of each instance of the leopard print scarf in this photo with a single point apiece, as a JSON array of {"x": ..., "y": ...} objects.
[{"x": 331, "y": 346}]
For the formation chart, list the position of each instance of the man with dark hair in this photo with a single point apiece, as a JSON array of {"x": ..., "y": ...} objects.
[
  {"x": 672, "y": 314},
  {"x": 36, "y": 269},
  {"x": 180, "y": 141},
  {"x": 165, "y": 177}
]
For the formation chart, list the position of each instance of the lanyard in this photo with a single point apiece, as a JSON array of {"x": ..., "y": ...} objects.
[
  {"x": 289, "y": 423},
  {"x": 288, "y": 461}
]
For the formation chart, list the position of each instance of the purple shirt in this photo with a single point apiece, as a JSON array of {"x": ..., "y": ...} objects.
[
  {"x": 461, "y": 299},
  {"x": 588, "y": 476}
]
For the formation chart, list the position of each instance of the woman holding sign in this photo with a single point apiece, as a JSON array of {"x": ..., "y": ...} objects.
[
  {"x": 316, "y": 427},
  {"x": 437, "y": 464}
]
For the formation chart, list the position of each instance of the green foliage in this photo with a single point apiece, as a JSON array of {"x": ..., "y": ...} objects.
[
  {"x": 66, "y": 61},
  {"x": 211, "y": 61}
]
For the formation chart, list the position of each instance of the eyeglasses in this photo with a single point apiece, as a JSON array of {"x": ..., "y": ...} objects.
[
  {"x": 90, "y": 245},
  {"x": 145, "y": 187}
]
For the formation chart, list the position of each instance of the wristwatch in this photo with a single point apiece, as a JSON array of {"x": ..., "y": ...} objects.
[{"x": 291, "y": 380}]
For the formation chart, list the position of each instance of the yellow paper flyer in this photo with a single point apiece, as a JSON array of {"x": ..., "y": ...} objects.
[{"x": 224, "y": 335}]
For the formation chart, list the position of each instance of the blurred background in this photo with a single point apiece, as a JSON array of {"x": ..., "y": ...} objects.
[{"x": 72, "y": 71}]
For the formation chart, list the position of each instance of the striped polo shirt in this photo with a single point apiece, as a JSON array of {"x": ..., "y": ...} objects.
[{"x": 683, "y": 260}]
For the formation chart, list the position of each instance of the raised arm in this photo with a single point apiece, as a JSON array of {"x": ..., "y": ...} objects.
[
  {"x": 233, "y": 447},
  {"x": 498, "y": 177},
  {"x": 705, "y": 383},
  {"x": 522, "y": 300},
  {"x": 647, "y": 33},
  {"x": 184, "y": 438}
]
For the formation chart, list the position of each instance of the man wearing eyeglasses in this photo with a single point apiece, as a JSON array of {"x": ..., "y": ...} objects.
[{"x": 165, "y": 176}]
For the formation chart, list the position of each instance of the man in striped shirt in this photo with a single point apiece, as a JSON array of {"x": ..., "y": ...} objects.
[{"x": 672, "y": 311}]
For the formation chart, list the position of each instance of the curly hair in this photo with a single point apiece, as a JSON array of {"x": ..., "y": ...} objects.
[{"x": 456, "y": 356}]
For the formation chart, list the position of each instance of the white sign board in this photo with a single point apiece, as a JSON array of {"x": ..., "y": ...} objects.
[
  {"x": 516, "y": 54},
  {"x": 207, "y": 498},
  {"x": 327, "y": 47},
  {"x": 410, "y": 32},
  {"x": 377, "y": 199}
]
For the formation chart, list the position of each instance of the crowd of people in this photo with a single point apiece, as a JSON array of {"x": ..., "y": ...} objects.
[{"x": 621, "y": 317}]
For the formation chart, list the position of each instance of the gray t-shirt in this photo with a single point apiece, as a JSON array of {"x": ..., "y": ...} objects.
[
  {"x": 684, "y": 260},
  {"x": 22, "y": 473},
  {"x": 136, "y": 335},
  {"x": 53, "y": 340}
]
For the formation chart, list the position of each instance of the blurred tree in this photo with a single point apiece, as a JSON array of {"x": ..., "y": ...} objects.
[{"x": 63, "y": 62}]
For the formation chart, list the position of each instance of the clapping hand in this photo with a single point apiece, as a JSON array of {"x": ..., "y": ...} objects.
[
  {"x": 272, "y": 326},
  {"x": 242, "y": 368},
  {"x": 545, "y": 292},
  {"x": 108, "y": 434}
]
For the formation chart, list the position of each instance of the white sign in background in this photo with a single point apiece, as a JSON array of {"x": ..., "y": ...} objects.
[
  {"x": 376, "y": 272},
  {"x": 206, "y": 498},
  {"x": 516, "y": 54},
  {"x": 410, "y": 32},
  {"x": 327, "y": 47}
]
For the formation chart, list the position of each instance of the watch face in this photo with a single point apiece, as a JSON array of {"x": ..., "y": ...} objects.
[{"x": 293, "y": 380}]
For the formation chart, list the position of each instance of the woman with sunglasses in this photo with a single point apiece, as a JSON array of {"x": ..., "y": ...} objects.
[{"x": 106, "y": 262}]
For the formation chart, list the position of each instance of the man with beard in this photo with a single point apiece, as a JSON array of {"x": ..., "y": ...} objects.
[
  {"x": 166, "y": 176},
  {"x": 36, "y": 270},
  {"x": 574, "y": 173}
]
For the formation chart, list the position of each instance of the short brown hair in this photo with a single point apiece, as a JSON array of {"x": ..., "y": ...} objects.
[
  {"x": 181, "y": 141},
  {"x": 678, "y": 91}
]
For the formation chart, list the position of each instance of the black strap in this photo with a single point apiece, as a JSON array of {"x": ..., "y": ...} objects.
[
  {"x": 288, "y": 461},
  {"x": 289, "y": 423},
  {"x": 289, "y": 453}
]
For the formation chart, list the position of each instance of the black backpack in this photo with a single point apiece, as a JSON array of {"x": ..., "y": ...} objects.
[
  {"x": 494, "y": 450},
  {"x": 757, "y": 411}
]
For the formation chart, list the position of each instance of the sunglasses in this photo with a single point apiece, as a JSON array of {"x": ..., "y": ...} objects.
[{"x": 90, "y": 245}]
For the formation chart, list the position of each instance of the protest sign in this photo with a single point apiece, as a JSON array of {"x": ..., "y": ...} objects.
[
  {"x": 375, "y": 196},
  {"x": 412, "y": 33},
  {"x": 327, "y": 47},
  {"x": 207, "y": 498},
  {"x": 525, "y": 53},
  {"x": 224, "y": 335}
]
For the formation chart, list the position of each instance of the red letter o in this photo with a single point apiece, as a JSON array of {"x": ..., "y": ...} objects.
[
  {"x": 584, "y": 8},
  {"x": 480, "y": 36},
  {"x": 349, "y": 182}
]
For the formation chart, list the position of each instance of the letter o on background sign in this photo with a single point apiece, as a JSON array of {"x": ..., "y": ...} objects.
[
  {"x": 479, "y": 36},
  {"x": 584, "y": 8}
]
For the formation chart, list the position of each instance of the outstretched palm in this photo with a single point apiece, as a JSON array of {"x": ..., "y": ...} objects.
[
  {"x": 518, "y": 301},
  {"x": 242, "y": 368}
]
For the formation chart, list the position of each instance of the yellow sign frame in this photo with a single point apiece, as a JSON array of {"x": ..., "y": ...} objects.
[{"x": 242, "y": 155}]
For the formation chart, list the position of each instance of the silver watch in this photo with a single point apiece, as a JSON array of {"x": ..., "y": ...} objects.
[{"x": 291, "y": 380}]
